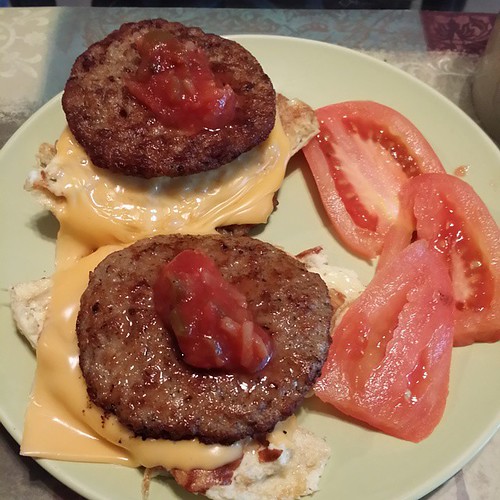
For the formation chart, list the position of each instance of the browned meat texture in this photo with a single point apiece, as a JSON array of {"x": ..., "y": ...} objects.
[
  {"x": 120, "y": 134},
  {"x": 132, "y": 365}
]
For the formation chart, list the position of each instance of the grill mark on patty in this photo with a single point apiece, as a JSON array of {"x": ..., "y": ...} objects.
[{"x": 134, "y": 369}]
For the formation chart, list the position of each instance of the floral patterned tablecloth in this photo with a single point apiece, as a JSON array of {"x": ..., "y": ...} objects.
[{"x": 38, "y": 46}]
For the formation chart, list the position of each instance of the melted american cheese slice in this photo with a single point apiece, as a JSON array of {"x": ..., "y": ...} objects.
[
  {"x": 61, "y": 423},
  {"x": 97, "y": 207}
]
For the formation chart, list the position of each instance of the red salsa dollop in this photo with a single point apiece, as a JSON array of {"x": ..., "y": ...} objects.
[
  {"x": 175, "y": 81},
  {"x": 209, "y": 316}
]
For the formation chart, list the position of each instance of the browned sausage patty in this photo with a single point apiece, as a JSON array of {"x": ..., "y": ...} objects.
[
  {"x": 120, "y": 134},
  {"x": 132, "y": 365}
]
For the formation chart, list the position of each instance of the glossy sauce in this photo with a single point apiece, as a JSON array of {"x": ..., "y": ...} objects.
[
  {"x": 209, "y": 316},
  {"x": 461, "y": 171},
  {"x": 176, "y": 82}
]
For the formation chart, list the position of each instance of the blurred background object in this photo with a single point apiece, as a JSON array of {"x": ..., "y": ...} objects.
[
  {"x": 492, "y": 6},
  {"x": 486, "y": 85}
]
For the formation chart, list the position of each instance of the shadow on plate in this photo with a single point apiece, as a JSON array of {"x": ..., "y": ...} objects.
[{"x": 45, "y": 224}]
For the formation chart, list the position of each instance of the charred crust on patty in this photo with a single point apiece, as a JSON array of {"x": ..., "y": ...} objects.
[
  {"x": 120, "y": 134},
  {"x": 132, "y": 365}
]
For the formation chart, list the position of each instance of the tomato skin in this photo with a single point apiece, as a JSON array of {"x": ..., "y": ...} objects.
[
  {"x": 364, "y": 153},
  {"x": 445, "y": 211},
  {"x": 389, "y": 360},
  {"x": 209, "y": 316}
]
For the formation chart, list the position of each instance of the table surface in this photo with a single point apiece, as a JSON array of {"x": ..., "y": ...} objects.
[{"x": 427, "y": 51}]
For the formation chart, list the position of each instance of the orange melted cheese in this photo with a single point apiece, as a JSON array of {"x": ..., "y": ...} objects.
[{"x": 98, "y": 209}]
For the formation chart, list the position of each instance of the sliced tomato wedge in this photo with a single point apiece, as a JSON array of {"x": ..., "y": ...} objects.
[
  {"x": 361, "y": 157},
  {"x": 445, "y": 211},
  {"x": 389, "y": 361}
]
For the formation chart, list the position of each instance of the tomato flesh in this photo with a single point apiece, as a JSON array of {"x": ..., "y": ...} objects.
[
  {"x": 363, "y": 154},
  {"x": 175, "y": 81},
  {"x": 209, "y": 316},
  {"x": 359, "y": 214},
  {"x": 445, "y": 211},
  {"x": 389, "y": 361}
]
